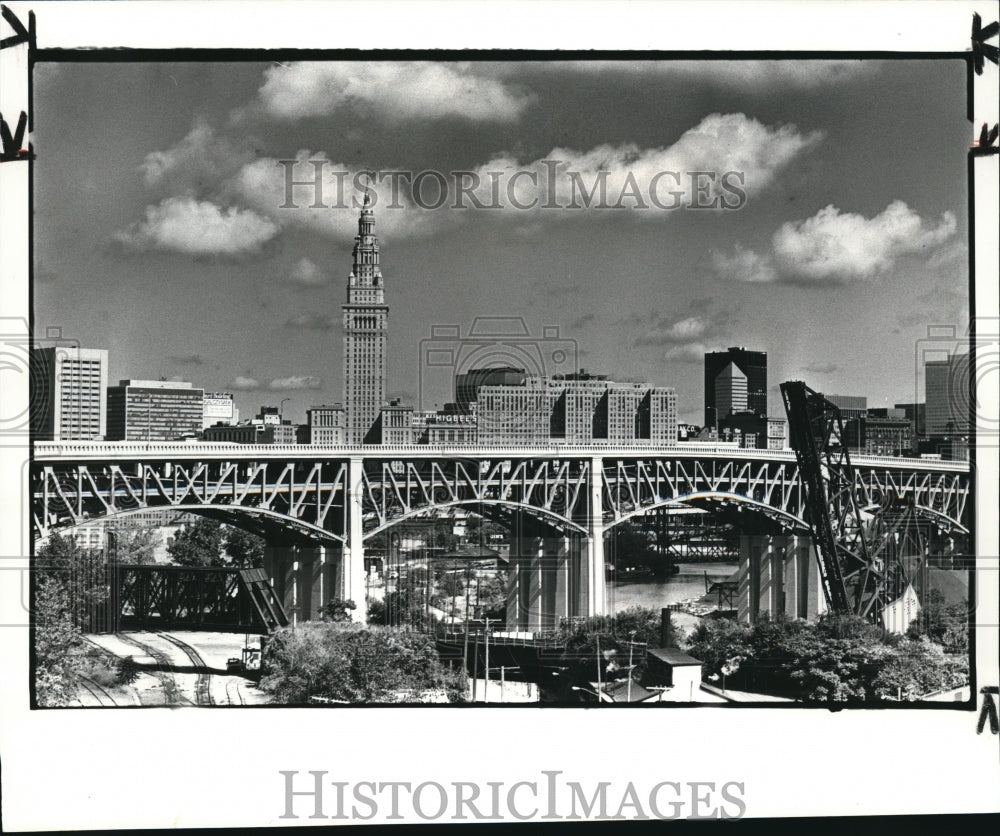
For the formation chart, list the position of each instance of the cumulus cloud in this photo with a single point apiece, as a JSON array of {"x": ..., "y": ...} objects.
[
  {"x": 312, "y": 321},
  {"x": 286, "y": 384},
  {"x": 685, "y": 338},
  {"x": 735, "y": 153},
  {"x": 196, "y": 164},
  {"x": 186, "y": 225},
  {"x": 834, "y": 247},
  {"x": 306, "y": 274},
  {"x": 843, "y": 246},
  {"x": 678, "y": 332},
  {"x": 744, "y": 265},
  {"x": 725, "y": 159},
  {"x": 332, "y": 210},
  {"x": 245, "y": 384},
  {"x": 688, "y": 353},
  {"x": 394, "y": 90}
]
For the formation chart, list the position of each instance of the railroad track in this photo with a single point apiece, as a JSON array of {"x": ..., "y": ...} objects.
[
  {"x": 231, "y": 688},
  {"x": 166, "y": 677},
  {"x": 98, "y": 692},
  {"x": 203, "y": 683}
]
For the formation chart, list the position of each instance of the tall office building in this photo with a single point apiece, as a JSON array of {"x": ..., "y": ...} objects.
[
  {"x": 850, "y": 406},
  {"x": 946, "y": 388},
  {"x": 752, "y": 365},
  {"x": 68, "y": 398},
  {"x": 576, "y": 409},
  {"x": 731, "y": 393},
  {"x": 468, "y": 383},
  {"x": 366, "y": 320},
  {"x": 154, "y": 410},
  {"x": 219, "y": 408}
]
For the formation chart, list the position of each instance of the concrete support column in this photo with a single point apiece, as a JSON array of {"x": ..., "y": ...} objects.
[
  {"x": 353, "y": 563},
  {"x": 596, "y": 583},
  {"x": 532, "y": 603},
  {"x": 554, "y": 581},
  {"x": 281, "y": 565},
  {"x": 778, "y": 575}
]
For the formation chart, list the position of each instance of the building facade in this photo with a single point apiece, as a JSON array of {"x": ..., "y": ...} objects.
[
  {"x": 219, "y": 408},
  {"x": 69, "y": 393},
  {"x": 752, "y": 365},
  {"x": 876, "y": 435},
  {"x": 850, "y": 406},
  {"x": 154, "y": 410},
  {"x": 326, "y": 425},
  {"x": 366, "y": 321},
  {"x": 576, "y": 409},
  {"x": 468, "y": 383},
  {"x": 946, "y": 390}
]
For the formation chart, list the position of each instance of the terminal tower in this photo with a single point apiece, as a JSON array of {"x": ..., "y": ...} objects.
[{"x": 366, "y": 320}]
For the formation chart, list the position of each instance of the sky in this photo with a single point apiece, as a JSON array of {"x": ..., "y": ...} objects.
[{"x": 837, "y": 239}]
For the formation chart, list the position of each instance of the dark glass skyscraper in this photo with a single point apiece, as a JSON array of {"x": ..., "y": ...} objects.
[{"x": 753, "y": 364}]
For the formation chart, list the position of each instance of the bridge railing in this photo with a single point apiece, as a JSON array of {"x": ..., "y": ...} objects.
[{"x": 55, "y": 450}]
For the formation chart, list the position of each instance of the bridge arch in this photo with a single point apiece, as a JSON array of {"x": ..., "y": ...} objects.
[
  {"x": 942, "y": 520},
  {"x": 687, "y": 500},
  {"x": 494, "y": 503},
  {"x": 231, "y": 514}
]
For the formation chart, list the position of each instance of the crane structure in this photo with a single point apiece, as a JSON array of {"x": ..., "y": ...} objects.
[{"x": 866, "y": 554}]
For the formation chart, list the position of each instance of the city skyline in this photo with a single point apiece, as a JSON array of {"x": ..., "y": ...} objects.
[{"x": 183, "y": 266}]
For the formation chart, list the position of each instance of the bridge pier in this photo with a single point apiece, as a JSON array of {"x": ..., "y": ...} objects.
[
  {"x": 597, "y": 599},
  {"x": 778, "y": 575},
  {"x": 352, "y": 564},
  {"x": 545, "y": 578},
  {"x": 301, "y": 578}
]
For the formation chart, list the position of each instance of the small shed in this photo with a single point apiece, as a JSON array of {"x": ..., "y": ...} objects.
[{"x": 672, "y": 668}]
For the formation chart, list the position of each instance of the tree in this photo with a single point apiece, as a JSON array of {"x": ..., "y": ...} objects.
[
  {"x": 58, "y": 644},
  {"x": 338, "y": 611},
  {"x": 355, "y": 664},
  {"x": 245, "y": 549},
  {"x": 603, "y": 644},
  {"x": 135, "y": 545},
  {"x": 451, "y": 584},
  {"x": 945, "y": 624},
  {"x": 839, "y": 659},
  {"x": 81, "y": 570},
  {"x": 198, "y": 544}
]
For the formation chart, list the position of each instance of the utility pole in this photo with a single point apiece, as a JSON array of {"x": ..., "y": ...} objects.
[
  {"x": 486, "y": 638},
  {"x": 597, "y": 638},
  {"x": 475, "y": 666}
]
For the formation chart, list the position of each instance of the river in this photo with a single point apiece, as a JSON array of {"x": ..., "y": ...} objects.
[{"x": 687, "y": 584}]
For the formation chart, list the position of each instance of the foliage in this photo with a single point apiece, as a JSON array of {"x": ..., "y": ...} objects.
[
  {"x": 632, "y": 549},
  {"x": 198, "y": 544},
  {"x": 245, "y": 549},
  {"x": 376, "y": 610},
  {"x": 136, "y": 545},
  {"x": 338, "y": 611},
  {"x": 839, "y": 659},
  {"x": 451, "y": 584},
  {"x": 127, "y": 671},
  {"x": 945, "y": 624},
  {"x": 492, "y": 591},
  {"x": 209, "y": 543},
  {"x": 59, "y": 645},
  {"x": 612, "y": 637},
  {"x": 81, "y": 573},
  {"x": 406, "y": 605},
  {"x": 355, "y": 664}
]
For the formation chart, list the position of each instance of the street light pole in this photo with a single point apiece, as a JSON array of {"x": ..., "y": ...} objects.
[{"x": 486, "y": 639}]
